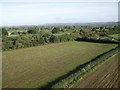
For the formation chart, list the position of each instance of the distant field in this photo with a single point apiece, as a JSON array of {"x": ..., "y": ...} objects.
[
  {"x": 116, "y": 36},
  {"x": 106, "y": 76},
  {"x": 35, "y": 66}
]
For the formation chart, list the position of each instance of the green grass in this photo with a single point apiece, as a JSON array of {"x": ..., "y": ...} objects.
[
  {"x": 116, "y": 36},
  {"x": 81, "y": 72},
  {"x": 36, "y": 66}
]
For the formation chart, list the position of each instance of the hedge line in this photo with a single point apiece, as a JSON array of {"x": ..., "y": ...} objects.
[{"x": 78, "y": 73}]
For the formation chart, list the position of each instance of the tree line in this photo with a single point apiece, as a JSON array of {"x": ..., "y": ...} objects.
[
  {"x": 23, "y": 37},
  {"x": 24, "y": 41}
]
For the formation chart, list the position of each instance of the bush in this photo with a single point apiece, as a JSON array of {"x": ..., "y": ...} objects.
[
  {"x": 55, "y": 30},
  {"x": 54, "y": 39},
  {"x": 4, "y": 32}
]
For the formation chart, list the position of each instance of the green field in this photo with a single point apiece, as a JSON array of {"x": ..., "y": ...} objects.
[
  {"x": 35, "y": 66},
  {"x": 116, "y": 36}
]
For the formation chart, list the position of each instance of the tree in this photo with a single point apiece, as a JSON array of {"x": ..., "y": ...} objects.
[
  {"x": 93, "y": 29},
  {"x": 4, "y": 32},
  {"x": 54, "y": 39},
  {"x": 41, "y": 41},
  {"x": 63, "y": 38},
  {"x": 19, "y": 43},
  {"x": 46, "y": 40},
  {"x": 55, "y": 30},
  {"x": 31, "y": 31}
]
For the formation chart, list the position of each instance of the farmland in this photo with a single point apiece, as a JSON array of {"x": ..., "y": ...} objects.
[
  {"x": 106, "y": 76},
  {"x": 59, "y": 44},
  {"x": 36, "y": 66},
  {"x": 55, "y": 56}
]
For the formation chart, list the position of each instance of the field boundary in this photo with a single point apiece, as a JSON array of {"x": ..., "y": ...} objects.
[
  {"x": 97, "y": 41},
  {"x": 77, "y": 74},
  {"x": 95, "y": 68}
]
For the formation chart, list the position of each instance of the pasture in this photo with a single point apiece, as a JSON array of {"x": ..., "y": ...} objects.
[{"x": 36, "y": 66}]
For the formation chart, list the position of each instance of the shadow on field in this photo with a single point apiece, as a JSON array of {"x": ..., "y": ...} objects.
[
  {"x": 50, "y": 84},
  {"x": 97, "y": 41}
]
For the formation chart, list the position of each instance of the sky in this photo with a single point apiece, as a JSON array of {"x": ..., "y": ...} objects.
[{"x": 34, "y": 12}]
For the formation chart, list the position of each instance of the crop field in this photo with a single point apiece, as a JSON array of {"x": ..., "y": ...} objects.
[
  {"x": 106, "y": 76},
  {"x": 36, "y": 66},
  {"x": 49, "y": 45}
]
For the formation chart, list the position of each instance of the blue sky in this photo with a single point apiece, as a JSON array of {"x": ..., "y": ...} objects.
[{"x": 34, "y": 12}]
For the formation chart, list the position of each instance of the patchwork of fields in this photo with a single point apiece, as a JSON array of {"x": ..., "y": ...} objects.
[{"x": 36, "y": 66}]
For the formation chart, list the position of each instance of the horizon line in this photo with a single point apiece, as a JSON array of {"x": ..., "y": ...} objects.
[{"x": 57, "y": 23}]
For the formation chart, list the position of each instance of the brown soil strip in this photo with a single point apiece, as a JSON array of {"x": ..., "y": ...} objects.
[{"x": 106, "y": 76}]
